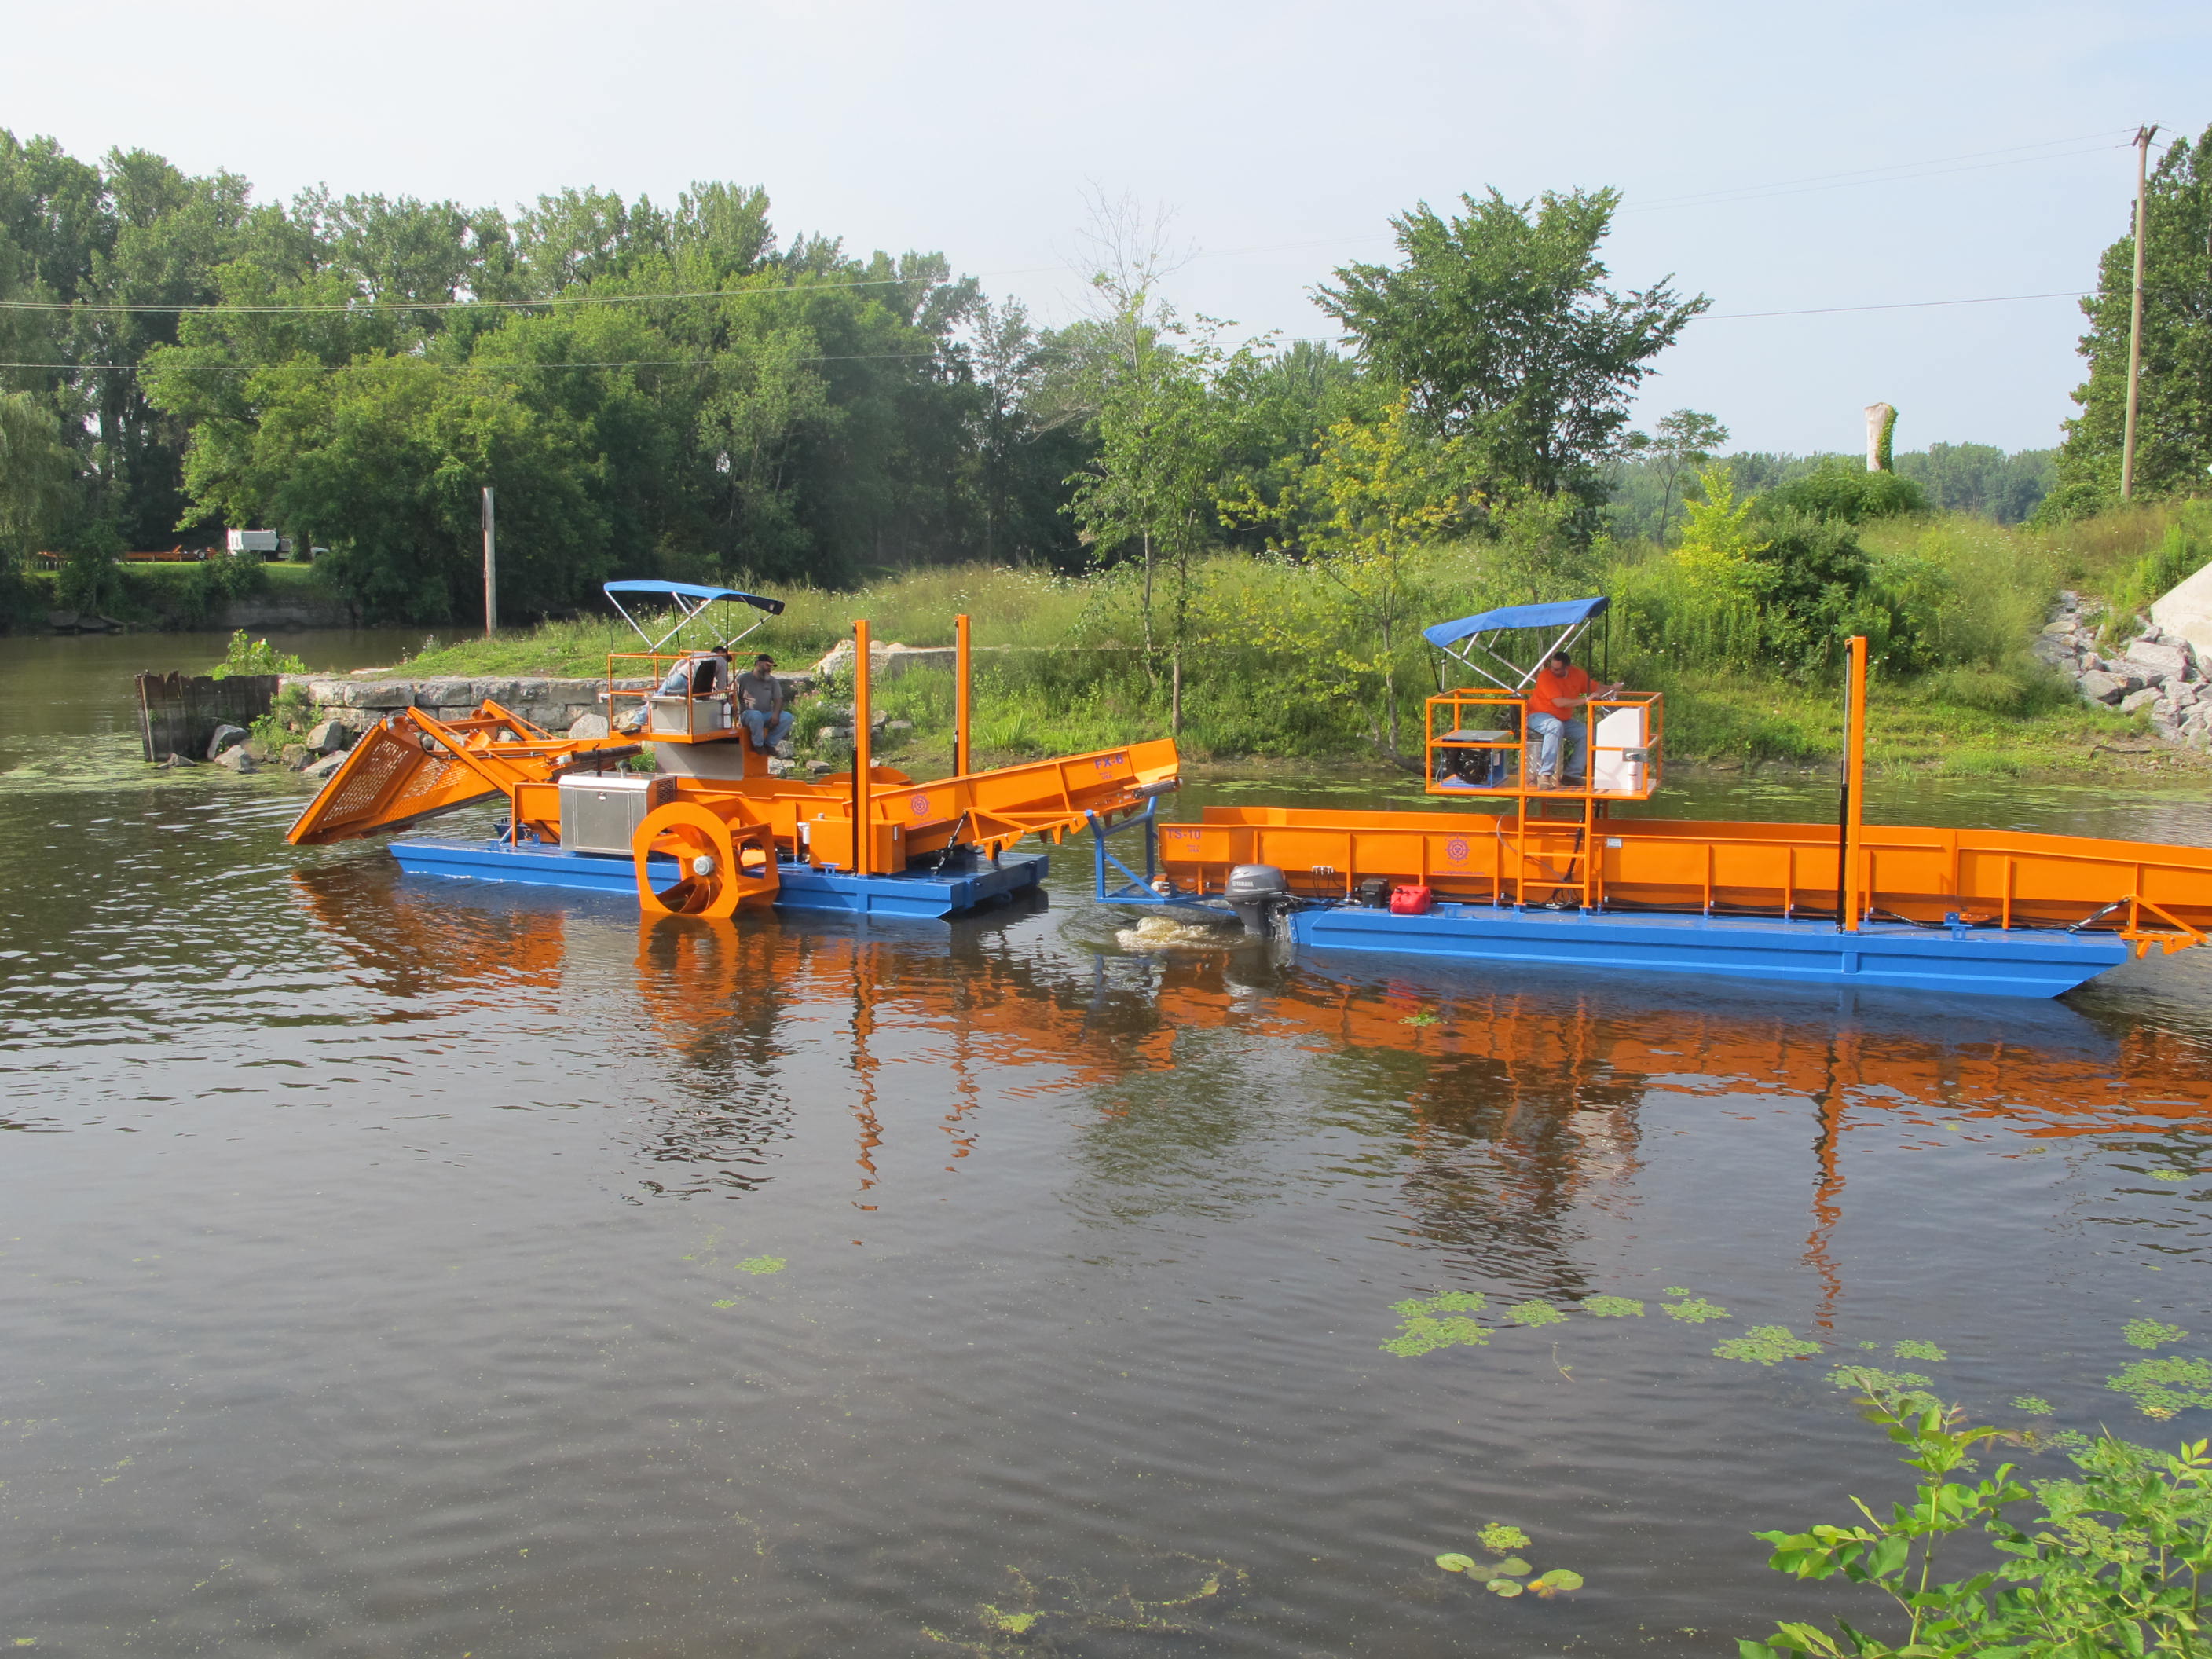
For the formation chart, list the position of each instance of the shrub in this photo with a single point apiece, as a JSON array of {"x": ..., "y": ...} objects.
[
  {"x": 2109, "y": 1563},
  {"x": 249, "y": 656},
  {"x": 1837, "y": 490}
]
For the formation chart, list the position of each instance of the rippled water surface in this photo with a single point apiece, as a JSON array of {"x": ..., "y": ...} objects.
[{"x": 399, "y": 1267}]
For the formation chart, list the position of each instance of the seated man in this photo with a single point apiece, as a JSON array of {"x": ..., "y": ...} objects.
[
  {"x": 760, "y": 702},
  {"x": 702, "y": 674},
  {"x": 1556, "y": 703}
]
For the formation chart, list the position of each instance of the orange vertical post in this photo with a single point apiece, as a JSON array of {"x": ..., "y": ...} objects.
[
  {"x": 1849, "y": 899},
  {"x": 863, "y": 830},
  {"x": 960, "y": 761}
]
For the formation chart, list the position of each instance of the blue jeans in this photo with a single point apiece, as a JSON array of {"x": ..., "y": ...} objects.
[
  {"x": 1547, "y": 730},
  {"x": 766, "y": 730}
]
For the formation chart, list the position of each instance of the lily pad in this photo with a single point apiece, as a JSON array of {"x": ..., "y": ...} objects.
[
  {"x": 1504, "y": 1587},
  {"x": 1557, "y": 1581},
  {"x": 1512, "y": 1567},
  {"x": 1455, "y": 1561}
]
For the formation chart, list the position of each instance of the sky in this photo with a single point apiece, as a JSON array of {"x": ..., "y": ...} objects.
[{"x": 1777, "y": 158}]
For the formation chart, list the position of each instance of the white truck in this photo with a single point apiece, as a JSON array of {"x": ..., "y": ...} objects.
[{"x": 262, "y": 543}]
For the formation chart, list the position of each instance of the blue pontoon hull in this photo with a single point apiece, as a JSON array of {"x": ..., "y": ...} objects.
[
  {"x": 1987, "y": 962},
  {"x": 926, "y": 896}
]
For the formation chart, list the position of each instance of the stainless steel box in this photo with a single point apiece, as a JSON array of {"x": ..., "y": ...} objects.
[
  {"x": 697, "y": 717},
  {"x": 600, "y": 810}
]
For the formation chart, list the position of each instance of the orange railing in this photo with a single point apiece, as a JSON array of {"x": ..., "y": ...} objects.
[
  {"x": 690, "y": 716},
  {"x": 1984, "y": 876},
  {"x": 1478, "y": 743}
]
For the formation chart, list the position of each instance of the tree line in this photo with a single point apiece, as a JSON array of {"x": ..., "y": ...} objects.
[{"x": 687, "y": 390}]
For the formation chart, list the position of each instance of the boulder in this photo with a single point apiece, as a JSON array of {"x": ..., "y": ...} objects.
[
  {"x": 898, "y": 725},
  {"x": 2099, "y": 687},
  {"x": 589, "y": 726},
  {"x": 257, "y": 751},
  {"x": 782, "y": 769},
  {"x": 323, "y": 768},
  {"x": 235, "y": 759},
  {"x": 820, "y": 767},
  {"x": 332, "y": 736},
  {"x": 294, "y": 756},
  {"x": 64, "y": 621},
  {"x": 2136, "y": 701},
  {"x": 225, "y": 737},
  {"x": 2151, "y": 659},
  {"x": 175, "y": 762}
]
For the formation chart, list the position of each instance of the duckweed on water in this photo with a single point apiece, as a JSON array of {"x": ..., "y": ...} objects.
[
  {"x": 1696, "y": 1310},
  {"x": 762, "y": 1264},
  {"x": 1499, "y": 1537},
  {"x": 1535, "y": 1313},
  {"x": 2162, "y": 1386},
  {"x": 2169, "y": 1175},
  {"x": 2151, "y": 1333},
  {"x": 1866, "y": 1379},
  {"x": 1676, "y": 1290},
  {"x": 1612, "y": 1307},
  {"x": 1766, "y": 1345},
  {"x": 1419, "y": 1335},
  {"x": 2033, "y": 1404},
  {"x": 1913, "y": 1348}
]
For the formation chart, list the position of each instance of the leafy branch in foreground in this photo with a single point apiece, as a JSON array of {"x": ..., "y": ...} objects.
[{"x": 2114, "y": 1562}]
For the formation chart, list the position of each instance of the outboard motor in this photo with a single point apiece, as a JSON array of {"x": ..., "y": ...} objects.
[{"x": 1256, "y": 892}]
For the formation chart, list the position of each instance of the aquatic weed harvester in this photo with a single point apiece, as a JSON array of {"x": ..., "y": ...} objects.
[
  {"x": 710, "y": 832},
  {"x": 1547, "y": 873}
]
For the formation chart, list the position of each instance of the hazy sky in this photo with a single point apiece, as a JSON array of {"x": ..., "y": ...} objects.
[{"x": 1282, "y": 137}]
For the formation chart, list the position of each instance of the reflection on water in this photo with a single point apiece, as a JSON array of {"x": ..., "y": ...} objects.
[{"x": 388, "y": 1262}]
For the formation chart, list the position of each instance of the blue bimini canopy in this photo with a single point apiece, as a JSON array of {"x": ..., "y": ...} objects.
[
  {"x": 1469, "y": 635},
  {"x": 1561, "y": 613},
  {"x": 690, "y": 600}
]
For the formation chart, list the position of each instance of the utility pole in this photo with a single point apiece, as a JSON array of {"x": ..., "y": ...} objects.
[
  {"x": 2135, "y": 316},
  {"x": 491, "y": 568}
]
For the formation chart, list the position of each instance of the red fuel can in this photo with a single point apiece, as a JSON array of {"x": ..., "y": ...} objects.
[{"x": 1412, "y": 901}]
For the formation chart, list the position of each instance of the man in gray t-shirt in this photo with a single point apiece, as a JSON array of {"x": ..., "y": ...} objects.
[{"x": 760, "y": 704}]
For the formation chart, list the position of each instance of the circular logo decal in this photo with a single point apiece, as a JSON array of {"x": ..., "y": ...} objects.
[
  {"x": 1456, "y": 849},
  {"x": 921, "y": 806}
]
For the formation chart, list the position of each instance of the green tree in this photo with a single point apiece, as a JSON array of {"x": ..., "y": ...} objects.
[
  {"x": 1681, "y": 444},
  {"x": 1374, "y": 497},
  {"x": 2173, "y": 437},
  {"x": 1502, "y": 328}
]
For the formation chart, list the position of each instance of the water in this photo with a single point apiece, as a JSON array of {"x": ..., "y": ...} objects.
[{"x": 393, "y": 1267}]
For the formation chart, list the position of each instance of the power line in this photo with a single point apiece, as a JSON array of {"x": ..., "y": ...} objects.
[
  {"x": 1894, "y": 172},
  {"x": 1894, "y": 304},
  {"x": 1925, "y": 168},
  {"x": 427, "y": 362}
]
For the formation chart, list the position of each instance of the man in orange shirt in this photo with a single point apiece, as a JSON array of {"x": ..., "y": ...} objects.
[{"x": 1556, "y": 701}]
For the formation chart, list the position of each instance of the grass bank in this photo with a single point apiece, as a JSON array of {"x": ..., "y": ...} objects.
[{"x": 1286, "y": 660}]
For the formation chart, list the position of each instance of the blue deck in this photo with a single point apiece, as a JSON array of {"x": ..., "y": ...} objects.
[
  {"x": 801, "y": 887},
  {"x": 1987, "y": 962}
]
